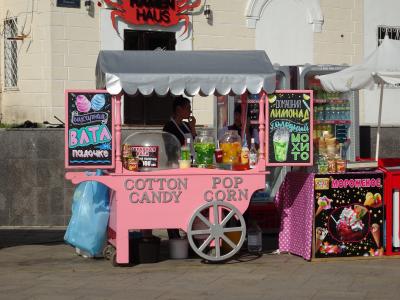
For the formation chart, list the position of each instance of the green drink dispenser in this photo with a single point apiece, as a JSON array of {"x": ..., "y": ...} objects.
[{"x": 204, "y": 145}]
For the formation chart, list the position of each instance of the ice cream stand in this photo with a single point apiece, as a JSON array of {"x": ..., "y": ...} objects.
[
  {"x": 169, "y": 198},
  {"x": 379, "y": 69}
]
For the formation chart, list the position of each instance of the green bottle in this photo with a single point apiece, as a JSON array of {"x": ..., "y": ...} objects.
[{"x": 185, "y": 150}]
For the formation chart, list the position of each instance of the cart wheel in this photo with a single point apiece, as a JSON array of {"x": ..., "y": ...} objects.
[
  {"x": 108, "y": 251},
  {"x": 215, "y": 241}
]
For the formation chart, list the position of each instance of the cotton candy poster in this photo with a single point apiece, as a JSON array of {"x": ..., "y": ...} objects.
[{"x": 89, "y": 130}]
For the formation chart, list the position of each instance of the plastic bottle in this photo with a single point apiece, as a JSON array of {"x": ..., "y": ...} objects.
[
  {"x": 328, "y": 112},
  {"x": 218, "y": 154},
  {"x": 244, "y": 155},
  {"x": 334, "y": 112},
  {"x": 185, "y": 150},
  {"x": 348, "y": 112},
  {"x": 254, "y": 238},
  {"x": 253, "y": 155},
  {"x": 342, "y": 110},
  {"x": 321, "y": 113},
  {"x": 340, "y": 161}
]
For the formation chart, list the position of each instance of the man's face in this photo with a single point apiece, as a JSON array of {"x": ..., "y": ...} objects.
[{"x": 186, "y": 110}]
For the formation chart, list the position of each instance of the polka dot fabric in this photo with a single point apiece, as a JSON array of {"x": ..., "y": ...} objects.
[{"x": 295, "y": 203}]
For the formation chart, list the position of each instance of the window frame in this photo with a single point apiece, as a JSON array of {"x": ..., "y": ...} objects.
[
  {"x": 392, "y": 31},
  {"x": 152, "y": 110},
  {"x": 10, "y": 54}
]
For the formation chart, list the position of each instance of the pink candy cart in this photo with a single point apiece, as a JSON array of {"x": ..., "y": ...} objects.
[{"x": 206, "y": 203}]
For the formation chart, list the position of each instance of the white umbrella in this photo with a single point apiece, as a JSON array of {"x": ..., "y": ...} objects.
[{"x": 380, "y": 67}]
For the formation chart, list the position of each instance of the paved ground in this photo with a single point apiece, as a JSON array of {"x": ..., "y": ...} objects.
[{"x": 38, "y": 265}]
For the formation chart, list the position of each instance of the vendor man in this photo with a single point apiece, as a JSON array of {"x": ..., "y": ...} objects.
[{"x": 181, "y": 110}]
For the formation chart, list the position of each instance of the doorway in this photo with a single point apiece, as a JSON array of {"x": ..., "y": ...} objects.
[{"x": 153, "y": 109}]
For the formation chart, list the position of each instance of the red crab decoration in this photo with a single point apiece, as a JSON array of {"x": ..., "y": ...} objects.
[{"x": 151, "y": 12}]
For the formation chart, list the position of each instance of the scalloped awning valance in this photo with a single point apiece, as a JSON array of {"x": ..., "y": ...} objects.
[{"x": 185, "y": 72}]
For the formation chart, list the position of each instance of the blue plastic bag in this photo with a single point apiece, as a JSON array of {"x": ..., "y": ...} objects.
[{"x": 87, "y": 228}]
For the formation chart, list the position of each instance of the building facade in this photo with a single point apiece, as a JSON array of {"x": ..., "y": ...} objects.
[{"x": 49, "y": 46}]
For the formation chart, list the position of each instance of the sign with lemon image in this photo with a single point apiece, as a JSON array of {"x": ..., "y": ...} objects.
[{"x": 289, "y": 122}]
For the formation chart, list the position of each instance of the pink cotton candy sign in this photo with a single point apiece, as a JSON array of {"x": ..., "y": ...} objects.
[{"x": 89, "y": 129}]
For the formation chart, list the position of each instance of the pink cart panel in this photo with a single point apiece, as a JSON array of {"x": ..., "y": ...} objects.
[{"x": 169, "y": 199}]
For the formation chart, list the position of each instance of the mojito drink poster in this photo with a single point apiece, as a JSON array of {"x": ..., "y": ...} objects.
[
  {"x": 348, "y": 215},
  {"x": 289, "y": 121},
  {"x": 89, "y": 130}
]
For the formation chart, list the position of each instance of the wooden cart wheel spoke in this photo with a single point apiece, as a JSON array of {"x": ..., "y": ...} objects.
[
  {"x": 206, "y": 243},
  {"x": 232, "y": 229},
  {"x": 217, "y": 249},
  {"x": 209, "y": 242},
  {"x": 204, "y": 231},
  {"x": 227, "y": 218},
  {"x": 215, "y": 207},
  {"x": 203, "y": 219},
  {"x": 228, "y": 241}
]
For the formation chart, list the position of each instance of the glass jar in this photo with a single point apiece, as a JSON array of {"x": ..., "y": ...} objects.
[
  {"x": 340, "y": 165},
  {"x": 204, "y": 145},
  {"x": 322, "y": 164},
  {"x": 331, "y": 165},
  {"x": 231, "y": 147}
]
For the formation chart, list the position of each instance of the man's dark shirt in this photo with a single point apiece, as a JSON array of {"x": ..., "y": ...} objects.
[{"x": 171, "y": 128}]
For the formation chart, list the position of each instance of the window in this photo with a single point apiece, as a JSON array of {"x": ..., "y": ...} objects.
[
  {"x": 10, "y": 53},
  {"x": 393, "y": 32},
  {"x": 153, "y": 109}
]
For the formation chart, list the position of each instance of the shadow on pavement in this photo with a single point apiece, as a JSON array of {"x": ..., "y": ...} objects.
[
  {"x": 20, "y": 237},
  {"x": 270, "y": 244}
]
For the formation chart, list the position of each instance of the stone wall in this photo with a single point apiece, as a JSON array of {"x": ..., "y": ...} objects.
[{"x": 33, "y": 191}]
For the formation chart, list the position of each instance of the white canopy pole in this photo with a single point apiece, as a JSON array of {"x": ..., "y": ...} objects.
[{"x": 378, "y": 133}]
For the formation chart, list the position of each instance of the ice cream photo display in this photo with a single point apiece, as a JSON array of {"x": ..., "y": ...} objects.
[{"x": 348, "y": 222}]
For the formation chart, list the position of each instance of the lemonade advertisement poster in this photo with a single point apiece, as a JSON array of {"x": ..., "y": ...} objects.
[{"x": 289, "y": 121}]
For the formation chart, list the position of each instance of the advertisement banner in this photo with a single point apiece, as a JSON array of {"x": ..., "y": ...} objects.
[
  {"x": 289, "y": 126},
  {"x": 89, "y": 129},
  {"x": 348, "y": 214}
]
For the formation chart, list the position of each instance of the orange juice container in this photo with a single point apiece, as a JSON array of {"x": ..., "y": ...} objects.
[{"x": 231, "y": 147}]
